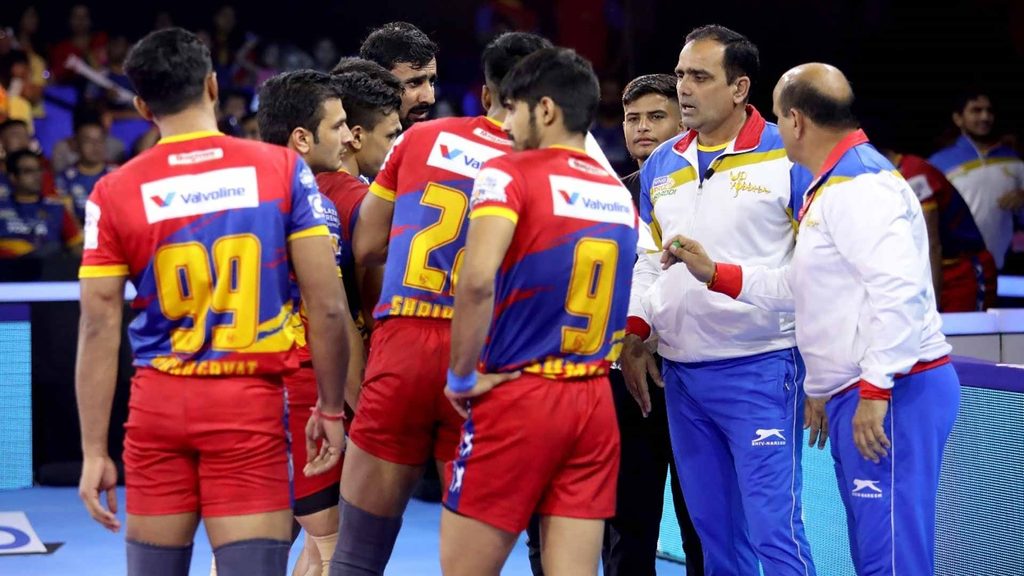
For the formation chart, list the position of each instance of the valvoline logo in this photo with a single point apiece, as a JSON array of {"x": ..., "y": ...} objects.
[
  {"x": 450, "y": 153},
  {"x": 570, "y": 199},
  {"x": 163, "y": 200}
]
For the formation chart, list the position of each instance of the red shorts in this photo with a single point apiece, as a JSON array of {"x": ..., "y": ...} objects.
[
  {"x": 535, "y": 445},
  {"x": 302, "y": 395},
  {"x": 215, "y": 446},
  {"x": 403, "y": 415},
  {"x": 968, "y": 283}
]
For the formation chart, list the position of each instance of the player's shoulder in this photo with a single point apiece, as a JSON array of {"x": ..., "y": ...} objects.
[
  {"x": 341, "y": 188},
  {"x": 949, "y": 158}
]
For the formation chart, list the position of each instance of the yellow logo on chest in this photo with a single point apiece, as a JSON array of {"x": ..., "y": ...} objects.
[{"x": 741, "y": 184}]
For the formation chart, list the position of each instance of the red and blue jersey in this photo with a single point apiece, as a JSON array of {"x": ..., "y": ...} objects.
[
  {"x": 42, "y": 227},
  {"x": 331, "y": 218},
  {"x": 76, "y": 185},
  {"x": 562, "y": 291},
  {"x": 428, "y": 174},
  {"x": 200, "y": 225}
]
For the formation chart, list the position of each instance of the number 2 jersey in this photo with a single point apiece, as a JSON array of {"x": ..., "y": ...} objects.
[
  {"x": 200, "y": 225},
  {"x": 428, "y": 174},
  {"x": 562, "y": 291}
]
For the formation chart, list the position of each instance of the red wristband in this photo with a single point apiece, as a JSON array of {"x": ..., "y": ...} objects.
[
  {"x": 636, "y": 325},
  {"x": 328, "y": 416},
  {"x": 869, "y": 391}
]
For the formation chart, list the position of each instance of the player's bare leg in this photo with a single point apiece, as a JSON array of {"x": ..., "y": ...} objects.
[
  {"x": 374, "y": 494},
  {"x": 319, "y": 542},
  {"x": 471, "y": 548},
  {"x": 570, "y": 546}
]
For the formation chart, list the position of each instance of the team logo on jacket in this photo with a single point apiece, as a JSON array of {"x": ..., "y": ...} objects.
[
  {"x": 740, "y": 183},
  {"x": 768, "y": 437},
  {"x": 866, "y": 489},
  {"x": 204, "y": 193},
  {"x": 594, "y": 201},
  {"x": 459, "y": 155}
]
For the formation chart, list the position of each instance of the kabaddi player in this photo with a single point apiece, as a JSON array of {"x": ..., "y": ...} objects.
[
  {"x": 541, "y": 306},
  {"x": 409, "y": 54},
  {"x": 304, "y": 111},
  {"x": 415, "y": 219},
  {"x": 208, "y": 228}
]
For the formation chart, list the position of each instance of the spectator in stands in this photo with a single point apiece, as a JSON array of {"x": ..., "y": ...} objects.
[
  {"x": 225, "y": 42},
  {"x": 84, "y": 43},
  {"x": 111, "y": 99},
  {"x": 15, "y": 137},
  {"x": 28, "y": 26},
  {"x": 988, "y": 174},
  {"x": 249, "y": 127},
  {"x": 963, "y": 271},
  {"x": 66, "y": 153},
  {"x": 234, "y": 105},
  {"x": 14, "y": 71},
  {"x": 325, "y": 54},
  {"x": 29, "y": 223},
  {"x": 76, "y": 182}
]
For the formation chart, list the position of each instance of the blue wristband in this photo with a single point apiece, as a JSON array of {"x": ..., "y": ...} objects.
[{"x": 461, "y": 383}]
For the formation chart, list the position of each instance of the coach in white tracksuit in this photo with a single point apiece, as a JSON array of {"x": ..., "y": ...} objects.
[{"x": 860, "y": 284}]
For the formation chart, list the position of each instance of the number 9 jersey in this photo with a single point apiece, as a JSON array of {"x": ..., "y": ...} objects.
[
  {"x": 200, "y": 225},
  {"x": 562, "y": 291}
]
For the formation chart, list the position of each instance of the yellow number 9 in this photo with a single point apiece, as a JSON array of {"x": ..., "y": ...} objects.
[{"x": 590, "y": 295}]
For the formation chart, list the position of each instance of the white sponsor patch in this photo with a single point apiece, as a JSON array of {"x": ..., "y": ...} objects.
[
  {"x": 586, "y": 200},
  {"x": 92, "y": 226},
  {"x": 490, "y": 185},
  {"x": 316, "y": 204},
  {"x": 197, "y": 157},
  {"x": 205, "y": 193},
  {"x": 485, "y": 135},
  {"x": 586, "y": 168},
  {"x": 459, "y": 155}
]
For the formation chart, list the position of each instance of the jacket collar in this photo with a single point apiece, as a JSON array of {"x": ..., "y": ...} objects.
[{"x": 748, "y": 139}]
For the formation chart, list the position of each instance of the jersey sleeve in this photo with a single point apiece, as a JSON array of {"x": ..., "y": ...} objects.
[
  {"x": 496, "y": 192},
  {"x": 102, "y": 254},
  {"x": 306, "y": 217},
  {"x": 386, "y": 182}
]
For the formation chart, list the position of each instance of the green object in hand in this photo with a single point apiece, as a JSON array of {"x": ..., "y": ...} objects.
[{"x": 676, "y": 244}]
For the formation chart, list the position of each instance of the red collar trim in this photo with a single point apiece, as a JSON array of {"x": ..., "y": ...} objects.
[
  {"x": 748, "y": 138},
  {"x": 855, "y": 138}
]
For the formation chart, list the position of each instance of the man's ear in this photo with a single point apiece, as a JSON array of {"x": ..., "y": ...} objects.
[
  {"x": 301, "y": 140},
  {"x": 357, "y": 138},
  {"x": 142, "y": 108}
]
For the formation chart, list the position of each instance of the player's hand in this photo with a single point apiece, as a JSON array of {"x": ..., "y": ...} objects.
[
  {"x": 691, "y": 253},
  {"x": 100, "y": 475},
  {"x": 329, "y": 435},
  {"x": 1012, "y": 201},
  {"x": 637, "y": 363},
  {"x": 484, "y": 383},
  {"x": 816, "y": 420},
  {"x": 869, "y": 429}
]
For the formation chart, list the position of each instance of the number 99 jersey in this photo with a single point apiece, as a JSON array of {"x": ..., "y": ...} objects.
[
  {"x": 562, "y": 291},
  {"x": 200, "y": 225},
  {"x": 428, "y": 175}
]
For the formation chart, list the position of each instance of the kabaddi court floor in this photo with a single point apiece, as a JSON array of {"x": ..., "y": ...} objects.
[{"x": 86, "y": 549}]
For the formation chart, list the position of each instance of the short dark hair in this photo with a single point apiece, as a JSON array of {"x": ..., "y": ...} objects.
[
  {"x": 168, "y": 70},
  {"x": 368, "y": 99},
  {"x": 506, "y": 50},
  {"x": 741, "y": 55},
  {"x": 965, "y": 95},
  {"x": 663, "y": 84},
  {"x": 823, "y": 109},
  {"x": 14, "y": 157},
  {"x": 562, "y": 75},
  {"x": 293, "y": 99},
  {"x": 397, "y": 42},
  {"x": 87, "y": 116},
  {"x": 10, "y": 123}
]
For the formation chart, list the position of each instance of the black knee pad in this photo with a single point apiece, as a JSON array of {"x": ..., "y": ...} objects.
[
  {"x": 152, "y": 560},
  {"x": 256, "y": 557},
  {"x": 365, "y": 542}
]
